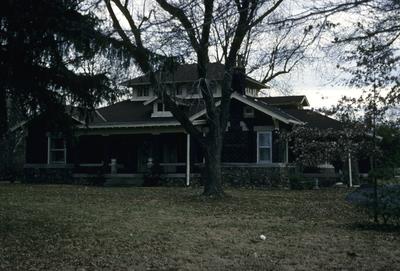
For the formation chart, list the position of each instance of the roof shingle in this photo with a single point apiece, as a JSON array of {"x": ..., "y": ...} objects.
[
  {"x": 188, "y": 73},
  {"x": 286, "y": 100},
  {"x": 314, "y": 119}
]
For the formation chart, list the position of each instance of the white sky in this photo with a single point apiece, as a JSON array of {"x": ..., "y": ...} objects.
[
  {"x": 322, "y": 82},
  {"x": 319, "y": 89}
]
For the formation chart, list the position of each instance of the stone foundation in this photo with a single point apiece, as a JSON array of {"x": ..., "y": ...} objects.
[
  {"x": 60, "y": 174},
  {"x": 263, "y": 176},
  {"x": 256, "y": 176}
]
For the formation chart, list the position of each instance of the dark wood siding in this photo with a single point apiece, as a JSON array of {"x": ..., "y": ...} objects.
[
  {"x": 240, "y": 146},
  {"x": 90, "y": 149},
  {"x": 36, "y": 145},
  {"x": 37, "y": 139}
]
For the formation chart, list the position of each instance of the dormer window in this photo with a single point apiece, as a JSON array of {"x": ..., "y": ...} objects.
[
  {"x": 251, "y": 92},
  {"x": 142, "y": 91},
  {"x": 160, "y": 111},
  {"x": 248, "y": 112}
]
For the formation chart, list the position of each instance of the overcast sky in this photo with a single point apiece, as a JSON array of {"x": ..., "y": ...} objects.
[{"x": 319, "y": 86}]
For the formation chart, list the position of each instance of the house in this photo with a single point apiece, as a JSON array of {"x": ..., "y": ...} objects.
[{"x": 120, "y": 140}]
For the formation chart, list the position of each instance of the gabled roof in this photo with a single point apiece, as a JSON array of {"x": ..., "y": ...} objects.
[
  {"x": 138, "y": 114},
  {"x": 270, "y": 110},
  {"x": 76, "y": 114},
  {"x": 126, "y": 111},
  {"x": 79, "y": 115},
  {"x": 131, "y": 114},
  {"x": 314, "y": 119},
  {"x": 188, "y": 73},
  {"x": 286, "y": 100}
]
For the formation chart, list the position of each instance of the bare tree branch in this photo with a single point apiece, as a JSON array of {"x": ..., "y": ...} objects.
[{"x": 180, "y": 15}]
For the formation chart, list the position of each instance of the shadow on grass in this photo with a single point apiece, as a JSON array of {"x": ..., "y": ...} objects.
[{"x": 369, "y": 226}]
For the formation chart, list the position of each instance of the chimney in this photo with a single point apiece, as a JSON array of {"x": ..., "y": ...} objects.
[{"x": 239, "y": 76}]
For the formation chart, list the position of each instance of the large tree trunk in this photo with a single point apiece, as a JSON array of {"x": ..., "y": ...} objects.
[{"x": 213, "y": 173}]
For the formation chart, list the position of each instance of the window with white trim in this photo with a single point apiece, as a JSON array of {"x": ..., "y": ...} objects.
[
  {"x": 57, "y": 150},
  {"x": 159, "y": 110},
  {"x": 264, "y": 147},
  {"x": 143, "y": 91}
]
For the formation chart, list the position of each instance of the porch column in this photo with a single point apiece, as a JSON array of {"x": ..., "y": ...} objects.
[
  {"x": 286, "y": 151},
  {"x": 187, "y": 159},
  {"x": 48, "y": 149},
  {"x": 105, "y": 140},
  {"x": 350, "y": 172}
]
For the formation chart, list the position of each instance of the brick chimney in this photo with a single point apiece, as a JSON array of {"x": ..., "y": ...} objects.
[{"x": 239, "y": 76}]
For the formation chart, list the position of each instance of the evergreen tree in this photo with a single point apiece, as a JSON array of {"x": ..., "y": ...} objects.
[{"x": 43, "y": 44}]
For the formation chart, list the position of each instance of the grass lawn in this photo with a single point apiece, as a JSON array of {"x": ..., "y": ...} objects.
[{"x": 90, "y": 228}]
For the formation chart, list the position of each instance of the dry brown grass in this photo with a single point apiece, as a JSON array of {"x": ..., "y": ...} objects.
[{"x": 91, "y": 228}]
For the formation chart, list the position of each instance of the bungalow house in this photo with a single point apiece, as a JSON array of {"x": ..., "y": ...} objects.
[{"x": 119, "y": 141}]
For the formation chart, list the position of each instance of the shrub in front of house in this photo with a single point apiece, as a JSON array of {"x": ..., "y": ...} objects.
[
  {"x": 254, "y": 177},
  {"x": 388, "y": 202},
  {"x": 299, "y": 182}
]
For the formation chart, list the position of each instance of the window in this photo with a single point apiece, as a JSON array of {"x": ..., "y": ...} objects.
[
  {"x": 57, "y": 151},
  {"x": 251, "y": 92},
  {"x": 159, "y": 110},
  {"x": 142, "y": 91},
  {"x": 264, "y": 147}
]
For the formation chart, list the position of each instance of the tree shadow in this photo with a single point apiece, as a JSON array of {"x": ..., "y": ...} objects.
[{"x": 370, "y": 226}]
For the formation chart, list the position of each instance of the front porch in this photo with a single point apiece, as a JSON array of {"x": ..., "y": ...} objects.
[
  {"x": 122, "y": 156},
  {"x": 128, "y": 158},
  {"x": 130, "y": 153}
]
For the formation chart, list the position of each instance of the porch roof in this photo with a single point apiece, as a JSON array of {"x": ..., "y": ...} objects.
[
  {"x": 137, "y": 124},
  {"x": 270, "y": 110},
  {"x": 286, "y": 100},
  {"x": 138, "y": 112},
  {"x": 314, "y": 119}
]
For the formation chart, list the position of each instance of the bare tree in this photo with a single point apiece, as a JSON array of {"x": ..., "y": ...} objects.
[
  {"x": 219, "y": 30},
  {"x": 371, "y": 44}
]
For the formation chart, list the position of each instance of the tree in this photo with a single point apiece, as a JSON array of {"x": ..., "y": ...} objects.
[
  {"x": 374, "y": 61},
  {"x": 313, "y": 146},
  {"x": 43, "y": 47},
  {"x": 371, "y": 48},
  {"x": 368, "y": 113},
  {"x": 218, "y": 29},
  {"x": 390, "y": 145}
]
